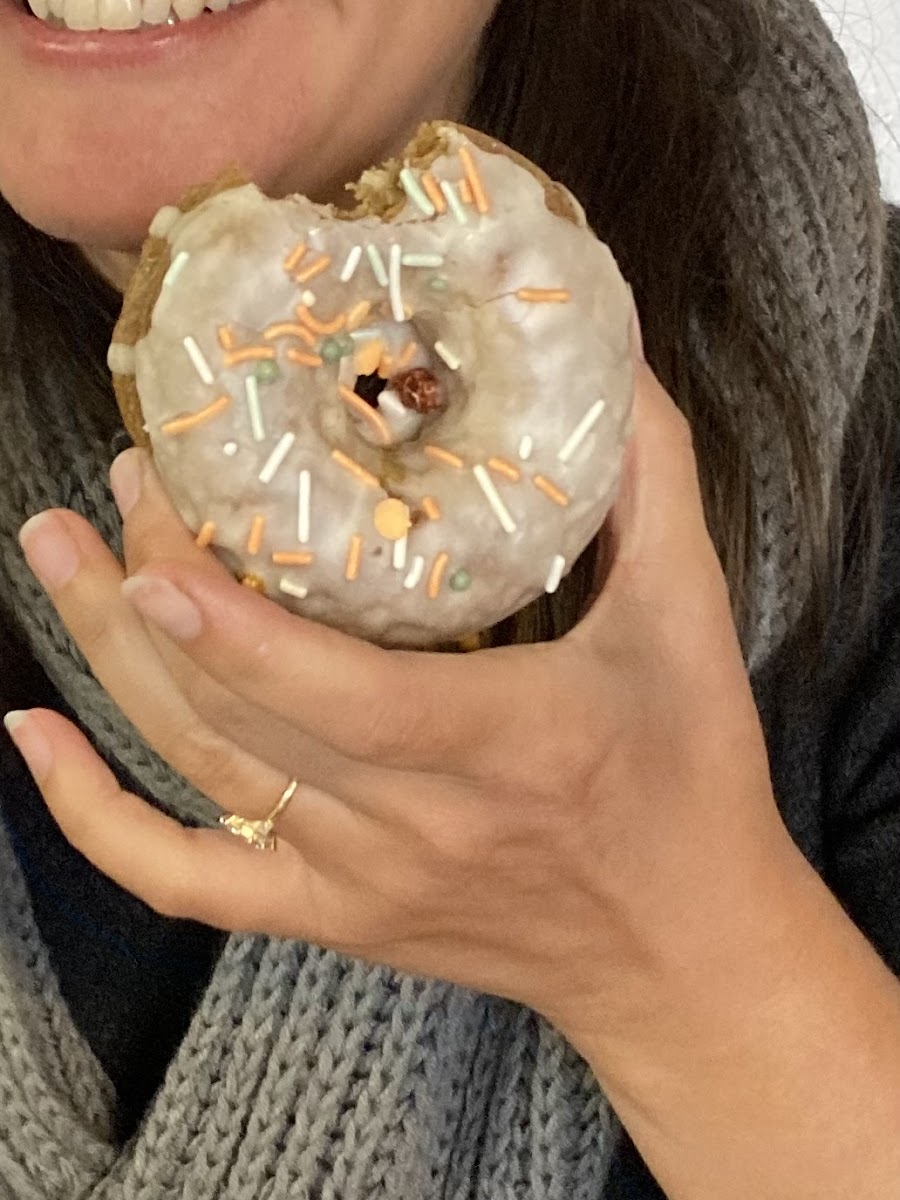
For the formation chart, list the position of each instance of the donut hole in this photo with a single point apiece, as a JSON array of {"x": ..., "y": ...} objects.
[{"x": 370, "y": 388}]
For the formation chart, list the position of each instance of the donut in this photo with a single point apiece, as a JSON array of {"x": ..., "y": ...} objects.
[{"x": 405, "y": 419}]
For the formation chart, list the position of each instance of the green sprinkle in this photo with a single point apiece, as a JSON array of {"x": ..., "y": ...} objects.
[
  {"x": 439, "y": 283},
  {"x": 460, "y": 581},
  {"x": 267, "y": 371},
  {"x": 331, "y": 350},
  {"x": 346, "y": 344}
]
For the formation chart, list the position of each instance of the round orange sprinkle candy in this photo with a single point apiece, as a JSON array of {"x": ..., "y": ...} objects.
[
  {"x": 392, "y": 519},
  {"x": 206, "y": 535}
]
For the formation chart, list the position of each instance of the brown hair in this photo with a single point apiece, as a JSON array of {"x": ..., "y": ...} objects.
[{"x": 620, "y": 100}]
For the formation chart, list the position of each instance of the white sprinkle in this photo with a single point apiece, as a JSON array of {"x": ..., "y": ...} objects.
[
  {"x": 304, "y": 507},
  {"x": 378, "y": 268},
  {"x": 366, "y": 335},
  {"x": 525, "y": 447},
  {"x": 276, "y": 458},
  {"x": 397, "y": 307},
  {"x": 120, "y": 358},
  {"x": 293, "y": 589},
  {"x": 455, "y": 204},
  {"x": 353, "y": 259},
  {"x": 414, "y": 578},
  {"x": 389, "y": 402},
  {"x": 230, "y": 449},
  {"x": 501, "y": 512},
  {"x": 165, "y": 221},
  {"x": 179, "y": 262},
  {"x": 423, "y": 260},
  {"x": 554, "y": 579},
  {"x": 256, "y": 417},
  {"x": 196, "y": 356},
  {"x": 581, "y": 431},
  {"x": 401, "y": 546},
  {"x": 453, "y": 361},
  {"x": 416, "y": 192},
  {"x": 309, "y": 299}
]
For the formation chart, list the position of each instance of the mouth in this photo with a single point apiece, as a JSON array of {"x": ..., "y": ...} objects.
[{"x": 122, "y": 16}]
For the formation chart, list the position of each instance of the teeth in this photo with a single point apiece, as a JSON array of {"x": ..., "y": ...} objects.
[
  {"x": 156, "y": 12},
  {"x": 123, "y": 14},
  {"x": 82, "y": 14},
  {"x": 40, "y": 8},
  {"x": 188, "y": 10}
]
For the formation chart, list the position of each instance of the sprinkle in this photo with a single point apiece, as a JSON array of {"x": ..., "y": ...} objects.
[
  {"x": 470, "y": 643},
  {"x": 226, "y": 337},
  {"x": 358, "y": 314},
  {"x": 444, "y": 456},
  {"x": 453, "y": 361},
  {"x": 544, "y": 295},
  {"x": 423, "y": 260},
  {"x": 256, "y": 418},
  {"x": 554, "y": 579},
  {"x": 289, "y": 329},
  {"x": 276, "y": 458},
  {"x": 234, "y": 358},
  {"x": 401, "y": 546},
  {"x": 324, "y": 328},
  {"x": 314, "y": 270},
  {"x": 295, "y": 257},
  {"x": 255, "y": 583},
  {"x": 431, "y": 508},
  {"x": 354, "y": 558},
  {"x": 196, "y": 356},
  {"x": 406, "y": 356},
  {"x": 309, "y": 298},
  {"x": 454, "y": 202},
  {"x": 120, "y": 358},
  {"x": 257, "y": 530},
  {"x": 526, "y": 446},
  {"x": 378, "y": 268},
  {"x": 368, "y": 356},
  {"x": 332, "y": 350},
  {"x": 397, "y": 307},
  {"x": 192, "y": 420},
  {"x": 165, "y": 221},
  {"x": 416, "y": 192},
  {"x": 581, "y": 431},
  {"x": 440, "y": 283},
  {"x": 351, "y": 465},
  {"x": 502, "y": 467},
  {"x": 460, "y": 581},
  {"x": 267, "y": 371},
  {"x": 415, "y": 576},
  {"x": 465, "y": 192},
  {"x": 392, "y": 519},
  {"x": 292, "y": 558},
  {"x": 302, "y": 359},
  {"x": 433, "y": 192},
  {"x": 179, "y": 262},
  {"x": 368, "y": 413},
  {"x": 230, "y": 449},
  {"x": 551, "y": 491},
  {"x": 436, "y": 578},
  {"x": 386, "y": 365},
  {"x": 293, "y": 589},
  {"x": 479, "y": 196},
  {"x": 206, "y": 535},
  {"x": 350, "y": 266},
  {"x": 303, "y": 508},
  {"x": 501, "y": 512}
]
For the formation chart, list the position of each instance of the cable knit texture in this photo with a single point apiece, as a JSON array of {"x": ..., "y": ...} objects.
[{"x": 307, "y": 1075}]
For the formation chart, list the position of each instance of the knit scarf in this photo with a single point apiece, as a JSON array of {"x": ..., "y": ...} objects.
[{"x": 305, "y": 1074}]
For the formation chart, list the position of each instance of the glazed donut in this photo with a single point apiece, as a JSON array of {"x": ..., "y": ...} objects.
[{"x": 405, "y": 422}]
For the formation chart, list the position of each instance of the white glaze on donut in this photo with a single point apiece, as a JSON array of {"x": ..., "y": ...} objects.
[{"x": 517, "y": 472}]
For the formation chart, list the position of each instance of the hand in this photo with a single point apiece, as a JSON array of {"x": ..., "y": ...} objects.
[{"x": 559, "y": 824}]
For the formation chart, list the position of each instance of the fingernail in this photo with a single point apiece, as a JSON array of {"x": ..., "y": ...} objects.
[
  {"x": 49, "y": 550},
  {"x": 161, "y": 603},
  {"x": 125, "y": 479},
  {"x": 30, "y": 743}
]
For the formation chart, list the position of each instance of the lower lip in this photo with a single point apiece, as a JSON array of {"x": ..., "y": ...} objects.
[{"x": 101, "y": 49}]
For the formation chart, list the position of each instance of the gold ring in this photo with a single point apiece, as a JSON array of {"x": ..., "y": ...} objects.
[{"x": 260, "y": 834}]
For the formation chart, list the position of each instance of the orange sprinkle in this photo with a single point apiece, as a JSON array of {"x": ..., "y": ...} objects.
[
  {"x": 544, "y": 295},
  {"x": 406, "y": 356},
  {"x": 368, "y": 413},
  {"x": 191, "y": 421},
  {"x": 226, "y": 337},
  {"x": 436, "y": 578},
  {"x": 289, "y": 329},
  {"x": 502, "y": 467},
  {"x": 303, "y": 359},
  {"x": 368, "y": 356},
  {"x": 314, "y": 270},
  {"x": 551, "y": 491},
  {"x": 354, "y": 558},
  {"x": 292, "y": 558},
  {"x": 392, "y": 519},
  {"x": 321, "y": 327},
  {"x": 358, "y": 314},
  {"x": 257, "y": 529},
  {"x": 465, "y": 192},
  {"x": 249, "y": 354},
  {"x": 431, "y": 508},
  {"x": 386, "y": 365},
  {"x": 444, "y": 456},
  {"x": 351, "y": 465},
  {"x": 295, "y": 257},
  {"x": 206, "y": 534},
  {"x": 433, "y": 192},
  {"x": 479, "y": 195}
]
